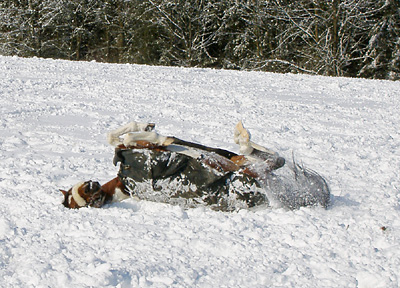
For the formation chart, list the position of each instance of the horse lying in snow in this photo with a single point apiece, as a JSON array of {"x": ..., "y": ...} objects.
[{"x": 170, "y": 170}]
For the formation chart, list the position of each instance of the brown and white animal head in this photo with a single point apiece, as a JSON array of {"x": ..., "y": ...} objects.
[{"x": 84, "y": 194}]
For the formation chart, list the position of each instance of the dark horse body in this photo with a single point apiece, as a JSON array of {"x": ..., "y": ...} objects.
[{"x": 174, "y": 171}]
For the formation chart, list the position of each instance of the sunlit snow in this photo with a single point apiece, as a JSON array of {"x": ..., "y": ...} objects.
[{"x": 54, "y": 118}]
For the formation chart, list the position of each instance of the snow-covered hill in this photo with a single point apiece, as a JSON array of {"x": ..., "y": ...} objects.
[{"x": 54, "y": 116}]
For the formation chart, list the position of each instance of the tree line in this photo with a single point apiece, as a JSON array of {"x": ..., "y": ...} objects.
[{"x": 355, "y": 38}]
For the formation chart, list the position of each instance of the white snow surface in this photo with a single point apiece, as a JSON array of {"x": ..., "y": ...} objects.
[{"x": 54, "y": 117}]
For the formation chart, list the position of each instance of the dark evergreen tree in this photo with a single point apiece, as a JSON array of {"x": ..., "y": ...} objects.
[
  {"x": 382, "y": 58},
  {"x": 337, "y": 37},
  {"x": 20, "y": 34}
]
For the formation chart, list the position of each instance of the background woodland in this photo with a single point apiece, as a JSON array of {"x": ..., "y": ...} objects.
[{"x": 355, "y": 38}]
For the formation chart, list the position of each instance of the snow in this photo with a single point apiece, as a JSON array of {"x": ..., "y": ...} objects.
[{"x": 54, "y": 118}]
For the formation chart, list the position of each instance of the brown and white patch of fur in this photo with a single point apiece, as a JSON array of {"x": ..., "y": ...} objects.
[
  {"x": 80, "y": 196},
  {"x": 75, "y": 194}
]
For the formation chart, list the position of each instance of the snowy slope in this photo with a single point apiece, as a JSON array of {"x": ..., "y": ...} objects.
[{"x": 54, "y": 116}]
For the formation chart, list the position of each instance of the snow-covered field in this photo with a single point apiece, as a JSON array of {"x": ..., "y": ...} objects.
[{"x": 53, "y": 124}]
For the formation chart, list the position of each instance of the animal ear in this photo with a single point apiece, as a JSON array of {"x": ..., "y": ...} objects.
[{"x": 63, "y": 191}]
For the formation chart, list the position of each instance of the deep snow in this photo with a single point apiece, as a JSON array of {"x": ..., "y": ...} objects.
[{"x": 53, "y": 124}]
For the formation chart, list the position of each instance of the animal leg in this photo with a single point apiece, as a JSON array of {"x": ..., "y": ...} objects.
[
  {"x": 254, "y": 152},
  {"x": 114, "y": 139},
  {"x": 241, "y": 137},
  {"x": 152, "y": 137},
  {"x": 247, "y": 147}
]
